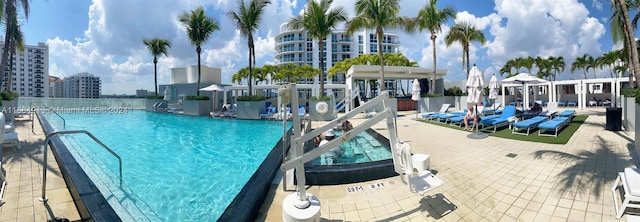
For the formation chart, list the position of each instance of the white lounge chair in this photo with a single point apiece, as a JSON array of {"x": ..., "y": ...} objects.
[
  {"x": 629, "y": 179},
  {"x": 443, "y": 109},
  {"x": 552, "y": 109}
]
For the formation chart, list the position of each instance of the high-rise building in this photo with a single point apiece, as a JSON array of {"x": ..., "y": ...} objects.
[
  {"x": 295, "y": 46},
  {"x": 29, "y": 71},
  {"x": 81, "y": 85}
]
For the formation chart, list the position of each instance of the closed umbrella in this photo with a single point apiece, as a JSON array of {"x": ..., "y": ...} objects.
[
  {"x": 474, "y": 88},
  {"x": 493, "y": 88},
  {"x": 167, "y": 93},
  {"x": 415, "y": 94}
]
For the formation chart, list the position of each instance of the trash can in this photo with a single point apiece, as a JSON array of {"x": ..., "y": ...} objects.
[{"x": 614, "y": 119}]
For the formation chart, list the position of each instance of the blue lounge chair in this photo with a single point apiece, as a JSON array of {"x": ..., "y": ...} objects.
[
  {"x": 512, "y": 103},
  {"x": 446, "y": 116},
  {"x": 443, "y": 109},
  {"x": 554, "y": 125},
  {"x": 271, "y": 112},
  {"x": 528, "y": 125},
  {"x": 567, "y": 113},
  {"x": 572, "y": 103},
  {"x": 503, "y": 119},
  {"x": 562, "y": 103}
]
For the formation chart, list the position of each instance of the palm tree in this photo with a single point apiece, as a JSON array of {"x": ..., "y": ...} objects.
[
  {"x": 199, "y": 27},
  {"x": 319, "y": 21},
  {"x": 156, "y": 47},
  {"x": 431, "y": 18},
  {"x": 591, "y": 64},
  {"x": 16, "y": 41},
  {"x": 528, "y": 63},
  {"x": 465, "y": 33},
  {"x": 607, "y": 59},
  {"x": 580, "y": 63},
  {"x": 508, "y": 66},
  {"x": 620, "y": 23},
  {"x": 557, "y": 65},
  {"x": 241, "y": 74},
  {"x": 378, "y": 15},
  {"x": 247, "y": 19},
  {"x": 10, "y": 12}
]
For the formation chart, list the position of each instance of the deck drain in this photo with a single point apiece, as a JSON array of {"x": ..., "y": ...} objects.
[{"x": 512, "y": 155}]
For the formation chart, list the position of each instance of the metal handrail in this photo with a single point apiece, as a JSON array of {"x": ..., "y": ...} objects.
[
  {"x": 44, "y": 163},
  {"x": 64, "y": 122}
]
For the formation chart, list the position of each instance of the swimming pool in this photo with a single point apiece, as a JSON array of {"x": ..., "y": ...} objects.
[
  {"x": 362, "y": 148},
  {"x": 175, "y": 168}
]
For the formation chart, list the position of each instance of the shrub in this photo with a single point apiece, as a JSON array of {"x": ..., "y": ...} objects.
[
  {"x": 251, "y": 98},
  {"x": 9, "y": 95},
  {"x": 192, "y": 97},
  {"x": 431, "y": 95},
  {"x": 155, "y": 97},
  {"x": 453, "y": 91},
  {"x": 322, "y": 98}
]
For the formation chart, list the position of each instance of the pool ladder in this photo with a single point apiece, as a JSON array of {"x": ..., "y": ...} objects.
[
  {"x": 44, "y": 198},
  {"x": 157, "y": 105},
  {"x": 64, "y": 122}
]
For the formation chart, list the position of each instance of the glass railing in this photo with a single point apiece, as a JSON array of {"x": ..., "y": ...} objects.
[{"x": 101, "y": 105}]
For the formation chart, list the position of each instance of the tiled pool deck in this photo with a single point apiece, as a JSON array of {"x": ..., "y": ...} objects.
[{"x": 542, "y": 183}]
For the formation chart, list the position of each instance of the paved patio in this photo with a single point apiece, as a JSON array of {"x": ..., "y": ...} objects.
[
  {"x": 23, "y": 169},
  {"x": 543, "y": 182}
]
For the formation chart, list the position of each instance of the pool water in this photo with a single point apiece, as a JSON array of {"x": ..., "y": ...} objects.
[
  {"x": 175, "y": 168},
  {"x": 362, "y": 148}
]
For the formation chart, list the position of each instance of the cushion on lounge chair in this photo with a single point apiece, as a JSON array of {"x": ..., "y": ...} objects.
[
  {"x": 527, "y": 124},
  {"x": 509, "y": 111},
  {"x": 632, "y": 176},
  {"x": 567, "y": 113},
  {"x": 572, "y": 103},
  {"x": 554, "y": 124},
  {"x": 443, "y": 109}
]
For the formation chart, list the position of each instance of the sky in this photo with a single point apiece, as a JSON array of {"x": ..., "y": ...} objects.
[{"x": 104, "y": 37}]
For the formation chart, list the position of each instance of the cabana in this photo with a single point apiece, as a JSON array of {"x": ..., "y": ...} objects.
[{"x": 372, "y": 72}]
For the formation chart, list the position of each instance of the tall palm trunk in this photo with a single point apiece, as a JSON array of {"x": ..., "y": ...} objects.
[
  {"x": 379, "y": 32},
  {"x": 155, "y": 73},
  {"x": 10, "y": 11},
  {"x": 433, "y": 81},
  {"x": 11, "y": 53},
  {"x": 466, "y": 54},
  {"x": 322, "y": 58},
  {"x": 249, "y": 82},
  {"x": 198, "y": 50},
  {"x": 631, "y": 38}
]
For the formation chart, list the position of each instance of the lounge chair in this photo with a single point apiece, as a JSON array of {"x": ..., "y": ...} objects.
[
  {"x": 629, "y": 179},
  {"x": 302, "y": 111},
  {"x": 493, "y": 109},
  {"x": 552, "y": 109},
  {"x": 271, "y": 111},
  {"x": 448, "y": 115},
  {"x": 11, "y": 139},
  {"x": 459, "y": 119},
  {"x": 503, "y": 119},
  {"x": 554, "y": 125},
  {"x": 567, "y": 113},
  {"x": 572, "y": 103},
  {"x": 562, "y": 103},
  {"x": 513, "y": 103},
  {"x": 528, "y": 125},
  {"x": 443, "y": 109}
]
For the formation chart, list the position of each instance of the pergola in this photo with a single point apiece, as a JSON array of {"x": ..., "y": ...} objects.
[{"x": 372, "y": 72}]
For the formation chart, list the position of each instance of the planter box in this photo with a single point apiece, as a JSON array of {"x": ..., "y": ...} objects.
[
  {"x": 148, "y": 104},
  {"x": 316, "y": 116},
  {"x": 196, "y": 107},
  {"x": 9, "y": 108},
  {"x": 430, "y": 104},
  {"x": 250, "y": 109}
]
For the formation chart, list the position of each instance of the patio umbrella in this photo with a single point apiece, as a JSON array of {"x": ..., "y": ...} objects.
[
  {"x": 415, "y": 94},
  {"x": 167, "y": 93},
  {"x": 214, "y": 88},
  {"x": 493, "y": 88},
  {"x": 524, "y": 79},
  {"x": 474, "y": 88}
]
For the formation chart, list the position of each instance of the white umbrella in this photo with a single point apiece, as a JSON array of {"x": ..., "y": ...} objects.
[
  {"x": 474, "y": 85},
  {"x": 167, "y": 93},
  {"x": 415, "y": 94},
  {"x": 493, "y": 87},
  {"x": 474, "y": 88},
  {"x": 524, "y": 79}
]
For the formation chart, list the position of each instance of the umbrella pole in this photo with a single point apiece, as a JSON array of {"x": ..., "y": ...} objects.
[{"x": 477, "y": 134}]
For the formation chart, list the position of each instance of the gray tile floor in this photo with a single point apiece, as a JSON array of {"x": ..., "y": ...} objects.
[{"x": 544, "y": 182}]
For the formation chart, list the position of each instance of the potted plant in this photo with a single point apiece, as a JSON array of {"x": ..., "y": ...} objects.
[
  {"x": 250, "y": 106},
  {"x": 152, "y": 100},
  {"x": 321, "y": 109},
  {"x": 196, "y": 105}
]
